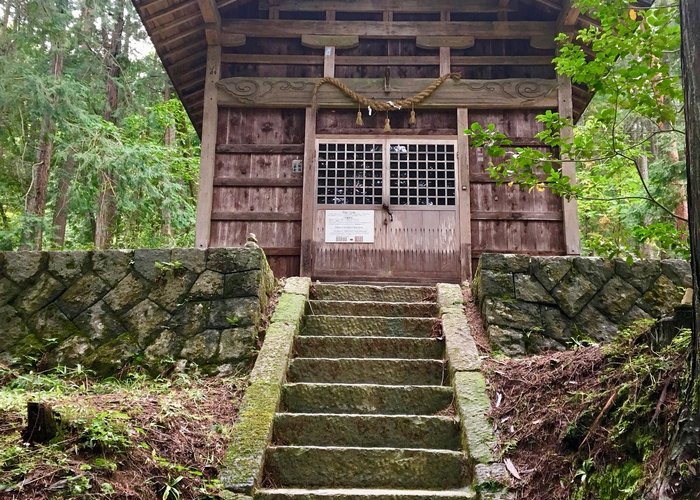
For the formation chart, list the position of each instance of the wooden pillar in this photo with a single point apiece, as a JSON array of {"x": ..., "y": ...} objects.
[
  {"x": 465, "y": 222},
  {"x": 308, "y": 203},
  {"x": 571, "y": 228},
  {"x": 503, "y": 12},
  {"x": 445, "y": 61},
  {"x": 208, "y": 155},
  {"x": 329, "y": 62},
  {"x": 445, "y": 52}
]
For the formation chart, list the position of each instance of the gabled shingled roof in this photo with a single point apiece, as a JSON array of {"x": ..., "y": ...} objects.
[{"x": 177, "y": 30}]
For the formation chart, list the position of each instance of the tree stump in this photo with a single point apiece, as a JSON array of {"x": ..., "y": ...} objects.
[{"x": 42, "y": 423}]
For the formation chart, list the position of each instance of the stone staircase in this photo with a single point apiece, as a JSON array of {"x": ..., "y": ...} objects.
[{"x": 367, "y": 411}]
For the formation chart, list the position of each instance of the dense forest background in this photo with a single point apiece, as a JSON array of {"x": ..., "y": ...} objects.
[{"x": 96, "y": 151}]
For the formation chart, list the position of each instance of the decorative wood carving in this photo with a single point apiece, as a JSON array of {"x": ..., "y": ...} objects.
[
  {"x": 487, "y": 30},
  {"x": 476, "y": 6},
  {"x": 298, "y": 92},
  {"x": 317, "y": 60}
]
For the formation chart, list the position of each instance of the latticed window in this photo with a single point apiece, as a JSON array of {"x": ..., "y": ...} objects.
[
  {"x": 420, "y": 173},
  {"x": 350, "y": 174}
]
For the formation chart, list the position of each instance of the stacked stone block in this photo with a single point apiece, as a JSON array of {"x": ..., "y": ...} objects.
[
  {"x": 532, "y": 304},
  {"x": 107, "y": 309}
]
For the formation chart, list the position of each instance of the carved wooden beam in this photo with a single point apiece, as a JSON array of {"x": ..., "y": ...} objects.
[
  {"x": 477, "y": 94},
  {"x": 475, "y": 6},
  {"x": 490, "y": 30},
  {"x": 232, "y": 39},
  {"x": 317, "y": 60},
  {"x": 453, "y": 42},
  {"x": 337, "y": 41},
  {"x": 212, "y": 20}
]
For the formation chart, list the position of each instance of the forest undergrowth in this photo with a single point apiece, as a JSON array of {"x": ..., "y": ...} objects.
[
  {"x": 131, "y": 438},
  {"x": 592, "y": 422}
]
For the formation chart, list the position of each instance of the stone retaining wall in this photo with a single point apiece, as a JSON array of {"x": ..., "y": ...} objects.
[
  {"x": 532, "y": 304},
  {"x": 108, "y": 309}
]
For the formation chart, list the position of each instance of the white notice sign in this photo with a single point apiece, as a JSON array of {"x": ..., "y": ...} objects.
[{"x": 349, "y": 226}]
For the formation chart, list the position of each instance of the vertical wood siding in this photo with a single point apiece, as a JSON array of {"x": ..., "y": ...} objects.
[{"x": 261, "y": 127}]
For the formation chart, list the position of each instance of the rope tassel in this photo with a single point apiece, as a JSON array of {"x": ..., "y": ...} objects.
[
  {"x": 359, "y": 121},
  {"x": 412, "y": 119},
  {"x": 387, "y": 124}
]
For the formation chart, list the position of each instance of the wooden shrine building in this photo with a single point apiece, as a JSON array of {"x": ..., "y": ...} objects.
[{"x": 397, "y": 195}]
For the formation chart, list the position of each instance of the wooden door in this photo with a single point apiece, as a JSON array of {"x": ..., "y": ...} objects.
[{"x": 386, "y": 210}]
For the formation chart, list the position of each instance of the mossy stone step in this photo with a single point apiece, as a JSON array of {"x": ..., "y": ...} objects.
[
  {"x": 367, "y": 371},
  {"x": 366, "y": 399},
  {"x": 373, "y": 293},
  {"x": 372, "y": 326},
  {"x": 360, "y": 494},
  {"x": 312, "y": 466},
  {"x": 399, "y": 431},
  {"x": 362, "y": 308},
  {"x": 326, "y": 346}
]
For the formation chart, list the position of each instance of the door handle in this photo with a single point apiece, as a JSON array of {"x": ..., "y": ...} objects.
[{"x": 386, "y": 208}]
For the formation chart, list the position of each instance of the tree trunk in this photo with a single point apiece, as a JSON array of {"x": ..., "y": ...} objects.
[
  {"x": 646, "y": 250},
  {"x": 690, "y": 23},
  {"x": 42, "y": 423},
  {"x": 3, "y": 217},
  {"x": 5, "y": 17},
  {"x": 681, "y": 211},
  {"x": 17, "y": 21},
  {"x": 36, "y": 197},
  {"x": 169, "y": 141},
  {"x": 60, "y": 214},
  {"x": 107, "y": 200},
  {"x": 685, "y": 447}
]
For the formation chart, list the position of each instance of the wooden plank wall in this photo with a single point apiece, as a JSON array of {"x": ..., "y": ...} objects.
[
  {"x": 255, "y": 190},
  {"x": 507, "y": 219},
  {"x": 342, "y": 122},
  {"x": 416, "y": 246}
]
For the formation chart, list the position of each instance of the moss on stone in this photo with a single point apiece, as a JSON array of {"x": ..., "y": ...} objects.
[
  {"x": 290, "y": 308},
  {"x": 370, "y": 308},
  {"x": 75, "y": 308},
  {"x": 449, "y": 296},
  {"x": 460, "y": 346},
  {"x": 243, "y": 464},
  {"x": 271, "y": 365},
  {"x": 28, "y": 350},
  {"x": 369, "y": 326},
  {"x": 109, "y": 358},
  {"x": 473, "y": 405},
  {"x": 229, "y": 495},
  {"x": 298, "y": 286},
  {"x": 491, "y": 481}
]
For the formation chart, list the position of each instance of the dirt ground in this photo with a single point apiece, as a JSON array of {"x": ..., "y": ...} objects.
[
  {"x": 136, "y": 438},
  {"x": 563, "y": 417}
]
